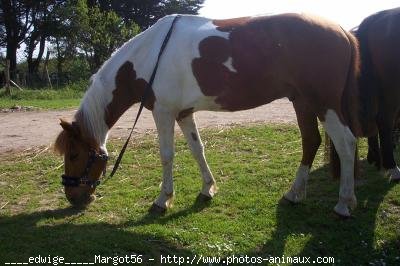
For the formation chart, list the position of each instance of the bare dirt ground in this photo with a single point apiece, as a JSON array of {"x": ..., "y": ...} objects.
[{"x": 21, "y": 131}]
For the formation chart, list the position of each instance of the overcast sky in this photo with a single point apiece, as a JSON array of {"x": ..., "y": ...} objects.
[{"x": 347, "y": 13}]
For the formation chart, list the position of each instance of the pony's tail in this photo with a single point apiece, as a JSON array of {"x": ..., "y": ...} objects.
[{"x": 350, "y": 108}]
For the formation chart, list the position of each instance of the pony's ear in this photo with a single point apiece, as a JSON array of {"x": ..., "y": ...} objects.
[
  {"x": 67, "y": 126},
  {"x": 71, "y": 128},
  {"x": 60, "y": 145}
]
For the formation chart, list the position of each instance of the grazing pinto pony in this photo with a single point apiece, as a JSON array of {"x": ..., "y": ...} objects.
[
  {"x": 222, "y": 65},
  {"x": 379, "y": 39}
]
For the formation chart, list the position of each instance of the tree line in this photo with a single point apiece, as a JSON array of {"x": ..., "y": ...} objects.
[{"x": 83, "y": 31}]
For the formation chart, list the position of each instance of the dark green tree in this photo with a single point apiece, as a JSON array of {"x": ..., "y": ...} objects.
[
  {"x": 16, "y": 22},
  {"x": 100, "y": 32},
  {"x": 45, "y": 23},
  {"x": 89, "y": 29},
  {"x": 147, "y": 12}
]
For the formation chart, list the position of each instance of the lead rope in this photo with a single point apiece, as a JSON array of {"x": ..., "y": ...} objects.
[{"x": 144, "y": 98}]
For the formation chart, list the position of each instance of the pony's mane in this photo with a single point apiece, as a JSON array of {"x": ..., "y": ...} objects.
[{"x": 91, "y": 114}]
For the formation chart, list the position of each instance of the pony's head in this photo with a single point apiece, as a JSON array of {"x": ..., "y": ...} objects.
[{"x": 84, "y": 162}]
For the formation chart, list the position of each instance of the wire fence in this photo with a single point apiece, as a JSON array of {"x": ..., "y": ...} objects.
[{"x": 35, "y": 81}]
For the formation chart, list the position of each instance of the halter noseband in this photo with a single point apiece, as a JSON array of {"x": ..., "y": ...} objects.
[{"x": 76, "y": 181}]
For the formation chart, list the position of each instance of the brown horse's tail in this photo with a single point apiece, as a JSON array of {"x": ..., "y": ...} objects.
[
  {"x": 369, "y": 82},
  {"x": 350, "y": 107}
]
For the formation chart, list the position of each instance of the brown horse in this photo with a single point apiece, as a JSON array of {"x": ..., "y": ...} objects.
[
  {"x": 221, "y": 65},
  {"x": 379, "y": 39}
]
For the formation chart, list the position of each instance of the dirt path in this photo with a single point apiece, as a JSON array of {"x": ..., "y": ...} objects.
[{"x": 25, "y": 130}]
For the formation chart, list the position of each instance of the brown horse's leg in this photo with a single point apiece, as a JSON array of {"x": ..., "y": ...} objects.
[
  {"x": 386, "y": 118},
  {"x": 374, "y": 152},
  {"x": 311, "y": 140}
]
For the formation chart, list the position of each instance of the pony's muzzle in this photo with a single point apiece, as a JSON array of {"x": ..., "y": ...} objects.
[{"x": 81, "y": 200}]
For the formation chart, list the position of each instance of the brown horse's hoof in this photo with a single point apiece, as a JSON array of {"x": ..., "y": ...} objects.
[
  {"x": 203, "y": 198},
  {"x": 157, "y": 210}
]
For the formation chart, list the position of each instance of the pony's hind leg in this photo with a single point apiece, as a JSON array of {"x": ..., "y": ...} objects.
[
  {"x": 165, "y": 122},
  {"x": 345, "y": 144},
  {"x": 189, "y": 129},
  {"x": 311, "y": 140}
]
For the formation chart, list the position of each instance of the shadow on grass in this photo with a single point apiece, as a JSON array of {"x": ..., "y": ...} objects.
[
  {"x": 151, "y": 218},
  {"x": 351, "y": 241},
  {"x": 348, "y": 241},
  {"x": 54, "y": 233}
]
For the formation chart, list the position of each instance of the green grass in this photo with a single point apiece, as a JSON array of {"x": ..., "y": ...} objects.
[
  {"x": 253, "y": 166},
  {"x": 62, "y": 98}
]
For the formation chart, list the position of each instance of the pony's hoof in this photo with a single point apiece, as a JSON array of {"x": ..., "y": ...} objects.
[
  {"x": 292, "y": 197},
  {"x": 342, "y": 211},
  {"x": 157, "y": 210},
  {"x": 203, "y": 198},
  {"x": 209, "y": 190}
]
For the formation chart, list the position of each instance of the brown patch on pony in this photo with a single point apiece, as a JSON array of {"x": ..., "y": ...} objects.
[
  {"x": 128, "y": 91},
  {"x": 227, "y": 25},
  {"x": 184, "y": 113},
  {"x": 259, "y": 58},
  {"x": 287, "y": 55}
]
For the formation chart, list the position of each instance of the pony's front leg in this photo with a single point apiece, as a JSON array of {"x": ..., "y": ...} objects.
[
  {"x": 165, "y": 122},
  {"x": 189, "y": 129}
]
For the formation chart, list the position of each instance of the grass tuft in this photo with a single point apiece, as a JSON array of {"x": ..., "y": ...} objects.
[{"x": 68, "y": 96}]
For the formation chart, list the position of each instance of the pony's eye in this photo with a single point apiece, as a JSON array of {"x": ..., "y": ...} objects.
[{"x": 73, "y": 157}]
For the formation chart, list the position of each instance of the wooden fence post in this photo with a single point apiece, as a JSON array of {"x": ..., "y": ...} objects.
[
  {"x": 7, "y": 72},
  {"x": 46, "y": 70}
]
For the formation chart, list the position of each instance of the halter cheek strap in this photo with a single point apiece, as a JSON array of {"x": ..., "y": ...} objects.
[{"x": 76, "y": 181}]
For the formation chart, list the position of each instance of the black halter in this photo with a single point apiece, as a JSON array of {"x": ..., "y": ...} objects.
[{"x": 76, "y": 181}]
